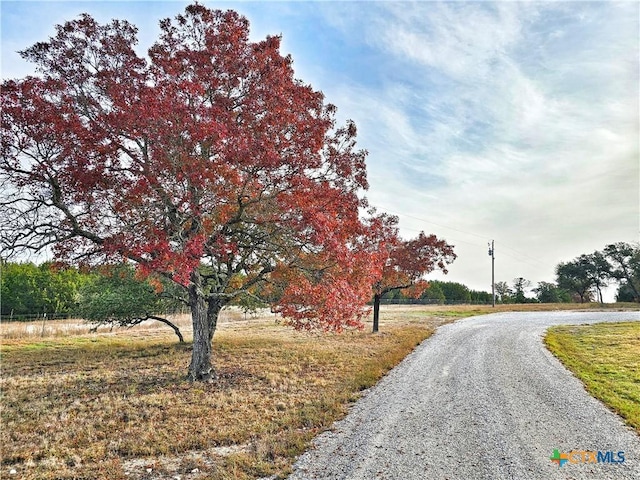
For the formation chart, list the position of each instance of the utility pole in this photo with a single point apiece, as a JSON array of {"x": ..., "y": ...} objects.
[{"x": 493, "y": 272}]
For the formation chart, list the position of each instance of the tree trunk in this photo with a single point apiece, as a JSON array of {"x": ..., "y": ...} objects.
[
  {"x": 204, "y": 318},
  {"x": 213, "y": 310},
  {"x": 376, "y": 312},
  {"x": 600, "y": 299}
]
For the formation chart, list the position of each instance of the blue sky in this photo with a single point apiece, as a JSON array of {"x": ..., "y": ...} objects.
[{"x": 483, "y": 120}]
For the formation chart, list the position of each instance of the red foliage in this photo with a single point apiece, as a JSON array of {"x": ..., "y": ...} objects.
[
  {"x": 410, "y": 260},
  {"x": 208, "y": 159}
]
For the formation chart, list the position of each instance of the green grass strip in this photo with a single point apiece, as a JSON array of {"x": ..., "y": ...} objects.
[{"x": 606, "y": 358}]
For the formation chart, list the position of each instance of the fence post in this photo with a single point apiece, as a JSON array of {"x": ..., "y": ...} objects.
[{"x": 44, "y": 319}]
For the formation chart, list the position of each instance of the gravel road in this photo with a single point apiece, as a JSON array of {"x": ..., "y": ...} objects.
[{"x": 481, "y": 399}]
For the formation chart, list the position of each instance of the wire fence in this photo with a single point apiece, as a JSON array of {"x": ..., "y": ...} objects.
[
  {"x": 46, "y": 316},
  {"x": 428, "y": 301},
  {"x": 31, "y": 317}
]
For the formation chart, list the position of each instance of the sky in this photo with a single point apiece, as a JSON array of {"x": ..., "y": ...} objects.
[{"x": 504, "y": 121}]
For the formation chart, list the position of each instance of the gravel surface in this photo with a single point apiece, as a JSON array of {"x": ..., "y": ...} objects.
[{"x": 481, "y": 399}]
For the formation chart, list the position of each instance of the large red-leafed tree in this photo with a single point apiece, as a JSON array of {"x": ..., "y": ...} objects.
[
  {"x": 206, "y": 162},
  {"x": 407, "y": 263}
]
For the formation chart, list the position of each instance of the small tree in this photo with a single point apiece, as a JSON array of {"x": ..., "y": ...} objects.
[
  {"x": 504, "y": 292},
  {"x": 547, "y": 292},
  {"x": 625, "y": 294},
  {"x": 577, "y": 276},
  {"x": 117, "y": 297},
  {"x": 407, "y": 263},
  {"x": 519, "y": 285},
  {"x": 624, "y": 266}
]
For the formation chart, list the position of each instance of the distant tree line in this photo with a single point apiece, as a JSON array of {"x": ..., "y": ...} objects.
[
  {"x": 582, "y": 279},
  {"x": 545, "y": 292},
  {"x": 29, "y": 289},
  {"x": 585, "y": 276},
  {"x": 105, "y": 295},
  {"x": 105, "y": 292},
  {"x": 115, "y": 295},
  {"x": 439, "y": 292},
  {"x": 579, "y": 280}
]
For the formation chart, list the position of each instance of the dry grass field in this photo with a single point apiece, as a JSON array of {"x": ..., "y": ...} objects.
[{"x": 115, "y": 405}]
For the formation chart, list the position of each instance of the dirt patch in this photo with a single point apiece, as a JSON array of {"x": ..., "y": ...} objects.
[{"x": 186, "y": 466}]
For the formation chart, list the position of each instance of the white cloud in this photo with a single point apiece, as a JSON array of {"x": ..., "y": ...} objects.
[
  {"x": 509, "y": 120},
  {"x": 526, "y": 127}
]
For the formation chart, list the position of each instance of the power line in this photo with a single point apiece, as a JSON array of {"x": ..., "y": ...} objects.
[
  {"x": 484, "y": 237},
  {"x": 456, "y": 240},
  {"x": 523, "y": 255},
  {"x": 520, "y": 259}
]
